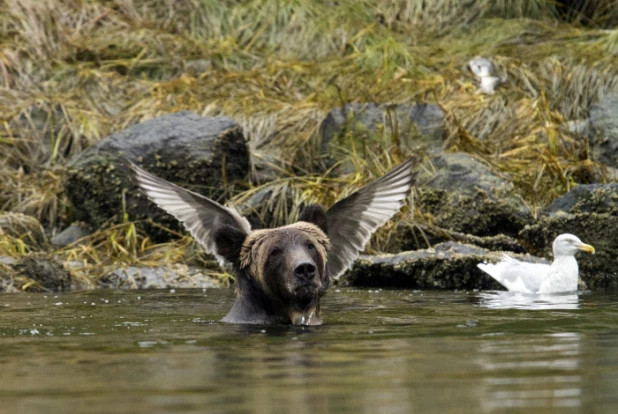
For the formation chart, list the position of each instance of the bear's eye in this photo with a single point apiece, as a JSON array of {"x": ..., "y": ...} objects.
[
  {"x": 275, "y": 252},
  {"x": 310, "y": 246}
]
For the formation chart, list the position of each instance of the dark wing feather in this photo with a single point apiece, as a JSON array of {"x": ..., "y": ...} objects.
[
  {"x": 200, "y": 215},
  {"x": 351, "y": 222}
]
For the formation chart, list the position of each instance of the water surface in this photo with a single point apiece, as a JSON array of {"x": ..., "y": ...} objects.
[{"x": 379, "y": 352}]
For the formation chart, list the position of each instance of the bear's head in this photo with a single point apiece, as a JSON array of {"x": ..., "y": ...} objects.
[{"x": 284, "y": 267}]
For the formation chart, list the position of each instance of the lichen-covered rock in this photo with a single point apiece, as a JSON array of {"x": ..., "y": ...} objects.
[
  {"x": 406, "y": 126},
  {"x": 591, "y": 198},
  {"x": 421, "y": 237},
  {"x": 21, "y": 226},
  {"x": 604, "y": 131},
  {"x": 164, "y": 277},
  {"x": 45, "y": 272},
  {"x": 598, "y": 270},
  {"x": 71, "y": 234},
  {"x": 446, "y": 266},
  {"x": 198, "y": 153},
  {"x": 464, "y": 195},
  {"x": 591, "y": 213}
]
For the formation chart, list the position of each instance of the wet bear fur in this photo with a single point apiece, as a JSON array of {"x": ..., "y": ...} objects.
[{"x": 281, "y": 272}]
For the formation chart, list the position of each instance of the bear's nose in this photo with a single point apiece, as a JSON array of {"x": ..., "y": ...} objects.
[{"x": 305, "y": 271}]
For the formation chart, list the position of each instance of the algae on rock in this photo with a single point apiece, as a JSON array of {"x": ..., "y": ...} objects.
[
  {"x": 44, "y": 273},
  {"x": 206, "y": 155},
  {"x": 465, "y": 196},
  {"x": 591, "y": 213},
  {"x": 445, "y": 266},
  {"x": 599, "y": 230}
]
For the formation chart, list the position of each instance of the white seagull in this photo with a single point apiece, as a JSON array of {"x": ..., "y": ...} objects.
[
  {"x": 560, "y": 276},
  {"x": 486, "y": 73}
]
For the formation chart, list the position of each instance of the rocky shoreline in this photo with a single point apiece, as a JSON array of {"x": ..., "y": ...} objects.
[{"x": 471, "y": 213}]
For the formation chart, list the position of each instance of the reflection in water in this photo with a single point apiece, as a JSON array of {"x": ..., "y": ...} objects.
[
  {"x": 533, "y": 301},
  {"x": 540, "y": 372}
]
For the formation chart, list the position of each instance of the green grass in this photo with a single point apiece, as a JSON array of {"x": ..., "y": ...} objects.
[{"x": 72, "y": 73}]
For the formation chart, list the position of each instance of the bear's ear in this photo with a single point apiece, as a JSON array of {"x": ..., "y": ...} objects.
[
  {"x": 314, "y": 214},
  {"x": 228, "y": 243}
]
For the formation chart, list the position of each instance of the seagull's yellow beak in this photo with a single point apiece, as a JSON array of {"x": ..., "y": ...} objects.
[{"x": 586, "y": 247}]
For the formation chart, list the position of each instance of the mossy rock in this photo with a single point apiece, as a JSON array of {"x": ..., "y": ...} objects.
[
  {"x": 598, "y": 270},
  {"x": 202, "y": 154},
  {"x": 463, "y": 195},
  {"x": 43, "y": 272},
  {"x": 591, "y": 198},
  {"x": 604, "y": 131},
  {"x": 421, "y": 237},
  {"x": 365, "y": 128},
  {"x": 446, "y": 266}
]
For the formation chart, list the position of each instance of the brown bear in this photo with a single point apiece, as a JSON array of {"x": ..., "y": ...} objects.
[{"x": 282, "y": 273}]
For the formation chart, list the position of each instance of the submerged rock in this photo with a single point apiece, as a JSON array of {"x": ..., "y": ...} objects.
[
  {"x": 44, "y": 271},
  {"x": 446, "y": 266},
  {"x": 597, "y": 270},
  {"x": 71, "y": 234},
  {"x": 175, "y": 276},
  {"x": 463, "y": 195},
  {"x": 412, "y": 125},
  {"x": 603, "y": 130},
  {"x": 198, "y": 153}
]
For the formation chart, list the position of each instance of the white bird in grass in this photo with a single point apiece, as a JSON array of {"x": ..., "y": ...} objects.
[
  {"x": 560, "y": 276},
  {"x": 486, "y": 74}
]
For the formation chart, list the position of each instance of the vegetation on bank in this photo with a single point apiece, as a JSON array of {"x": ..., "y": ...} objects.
[{"x": 73, "y": 72}]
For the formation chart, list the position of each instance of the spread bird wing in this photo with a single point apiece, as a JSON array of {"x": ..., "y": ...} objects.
[
  {"x": 351, "y": 222},
  {"x": 517, "y": 276},
  {"x": 200, "y": 215}
]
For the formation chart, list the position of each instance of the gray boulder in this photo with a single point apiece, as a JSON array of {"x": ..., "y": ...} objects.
[
  {"x": 446, "y": 266},
  {"x": 43, "y": 271},
  {"x": 591, "y": 213},
  {"x": 591, "y": 198},
  {"x": 421, "y": 236},
  {"x": 163, "y": 277},
  {"x": 405, "y": 126},
  {"x": 598, "y": 229},
  {"x": 71, "y": 234},
  {"x": 463, "y": 195},
  {"x": 603, "y": 138},
  {"x": 202, "y": 154}
]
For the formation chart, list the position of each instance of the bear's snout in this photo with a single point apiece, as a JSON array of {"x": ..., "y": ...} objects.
[{"x": 305, "y": 271}]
